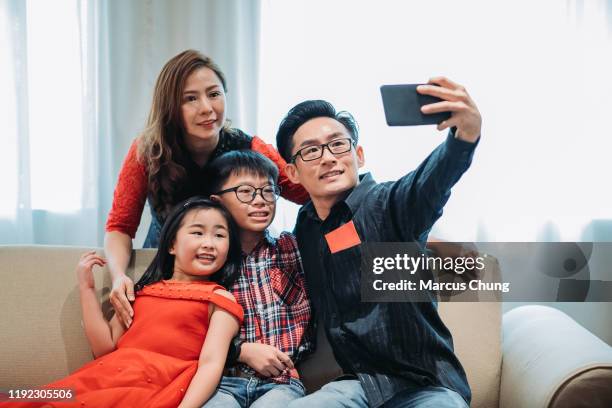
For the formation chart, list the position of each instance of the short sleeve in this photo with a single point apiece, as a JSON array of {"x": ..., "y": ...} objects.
[{"x": 227, "y": 304}]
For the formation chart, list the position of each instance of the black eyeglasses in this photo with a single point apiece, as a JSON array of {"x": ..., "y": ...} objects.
[
  {"x": 336, "y": 146},
  {"x": 246, "y": 193}
]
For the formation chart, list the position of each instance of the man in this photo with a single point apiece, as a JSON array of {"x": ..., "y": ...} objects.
[{"x": 392, "y": 354}]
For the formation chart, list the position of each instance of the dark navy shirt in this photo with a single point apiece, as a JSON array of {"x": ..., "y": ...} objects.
[{"x": 390, "y": 347}]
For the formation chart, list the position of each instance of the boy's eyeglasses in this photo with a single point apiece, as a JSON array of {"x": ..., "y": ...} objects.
[
  {"x": 246, "y": 193},
  {"x": 336, "y": 146}
]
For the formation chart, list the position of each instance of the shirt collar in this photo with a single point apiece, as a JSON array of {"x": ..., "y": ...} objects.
[
  {"x": 267, "y": 240},
  {"x": 353, "y": 201},
  {"x": 356, "y": 197}
]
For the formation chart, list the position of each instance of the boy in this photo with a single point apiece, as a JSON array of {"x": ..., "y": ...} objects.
[{"x": 270, "y": 288}]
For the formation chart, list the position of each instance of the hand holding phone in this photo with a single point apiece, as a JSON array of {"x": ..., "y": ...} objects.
[{"x": 402, "y": 104}]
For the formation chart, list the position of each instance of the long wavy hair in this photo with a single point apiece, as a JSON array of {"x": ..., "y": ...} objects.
[
  {"x": 162, "y": 146},
  {"x": 162, "y": 266}
]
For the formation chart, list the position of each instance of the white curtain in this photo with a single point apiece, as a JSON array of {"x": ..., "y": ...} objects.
[
  {"x": 80, "y": 76},
  {"x": 538, "y": 70}
]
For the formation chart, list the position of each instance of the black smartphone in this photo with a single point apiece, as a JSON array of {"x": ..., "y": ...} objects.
[{"x": 403, "y": 103}]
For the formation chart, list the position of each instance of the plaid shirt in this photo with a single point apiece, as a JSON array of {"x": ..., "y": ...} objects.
[{"x": 272, "y": 292}]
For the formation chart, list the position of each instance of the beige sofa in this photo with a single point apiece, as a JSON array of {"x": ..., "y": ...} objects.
[{"x": 548, "y": 359}]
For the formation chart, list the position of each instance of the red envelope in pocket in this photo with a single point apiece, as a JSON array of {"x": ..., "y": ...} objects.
[{"x": 342, "y": 238}]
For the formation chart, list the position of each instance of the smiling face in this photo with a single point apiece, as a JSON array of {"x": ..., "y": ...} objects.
[
  {"x": 330, "y": 177},
  {"x": 255, "y": 216},
  {"x": 203, "y": 108},
  {"x": 201, "y": 245}
]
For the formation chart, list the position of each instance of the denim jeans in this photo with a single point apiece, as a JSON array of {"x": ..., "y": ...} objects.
[
  {"x": 152, "y": 238},
  {"x": 236, "y": 392},
  {"x": 349, "y": 393}
]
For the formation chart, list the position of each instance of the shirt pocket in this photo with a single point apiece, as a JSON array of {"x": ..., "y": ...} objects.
[
  {"x": 345, "y": 279},
  {"x": 283, "y": 289}
]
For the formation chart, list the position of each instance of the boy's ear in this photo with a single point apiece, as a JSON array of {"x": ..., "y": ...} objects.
[{"x": 292, "y": 173}]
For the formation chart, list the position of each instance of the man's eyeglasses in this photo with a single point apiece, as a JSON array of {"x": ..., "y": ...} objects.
[
  {"x": 246, "y": 193},
  {"x": 336, "y": 146}
]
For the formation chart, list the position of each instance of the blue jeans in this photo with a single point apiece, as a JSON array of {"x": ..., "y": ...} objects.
[
  {"x": 236, "y": 392},
  {"x": 152, "y": 238},
  {"x": 349, "y": 393}
]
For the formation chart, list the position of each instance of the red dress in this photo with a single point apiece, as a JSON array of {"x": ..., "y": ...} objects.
[{"x": 156, "y": 358}]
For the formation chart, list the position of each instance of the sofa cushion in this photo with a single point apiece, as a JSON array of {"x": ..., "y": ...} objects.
[
  {"x": 43, "y": 340},
  {"x": 41, "y": 332}
]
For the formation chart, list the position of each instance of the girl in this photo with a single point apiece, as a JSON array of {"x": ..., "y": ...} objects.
[
  {"x": 187, "y": 128},
  {"x": 174, "y": 353}
]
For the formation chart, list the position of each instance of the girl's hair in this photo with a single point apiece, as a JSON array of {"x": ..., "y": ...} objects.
[
  {"x": 162, "y": 266},
  {"x": 162, "y": 147}
]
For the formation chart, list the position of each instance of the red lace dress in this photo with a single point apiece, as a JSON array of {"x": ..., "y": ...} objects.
[{"x": 156, "y": 358}]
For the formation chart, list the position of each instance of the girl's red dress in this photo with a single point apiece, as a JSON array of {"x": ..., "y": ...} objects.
[{"x": 156, "y": 358}]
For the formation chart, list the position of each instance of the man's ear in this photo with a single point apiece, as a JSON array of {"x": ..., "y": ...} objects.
[
  {"x": 360, "y": 156},
  {"x": 292, "y": 173},
  {"x": 215, "y": 198}
]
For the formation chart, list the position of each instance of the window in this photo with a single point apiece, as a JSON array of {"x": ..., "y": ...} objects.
[
  {"x": 538, "y": 71},
  {"x": 42, "y": 145}
]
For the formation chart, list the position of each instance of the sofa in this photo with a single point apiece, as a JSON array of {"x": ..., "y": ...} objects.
[{"x": 535, "y": 356}]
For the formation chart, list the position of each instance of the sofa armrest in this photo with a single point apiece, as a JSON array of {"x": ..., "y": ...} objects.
[{"x": 549, "y": 360}]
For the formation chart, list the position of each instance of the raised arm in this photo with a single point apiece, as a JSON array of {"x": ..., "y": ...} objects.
[
  {"x": 102, "y": 335},
  {"x": 417, "y": 199},
  {"x": 222, "y": 328},
  {"x": 128, "y": 202}
]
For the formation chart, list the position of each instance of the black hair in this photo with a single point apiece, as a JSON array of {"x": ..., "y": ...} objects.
[
  {"x": 162, "y": 266},
  {"x": 239, "y": 162},
  {"x": 302, "y": 113}
]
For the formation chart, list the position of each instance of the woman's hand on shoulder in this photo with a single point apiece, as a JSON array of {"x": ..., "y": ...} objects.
[
  {"x": 120, "y": 297},
  {"x": 84, "y": 269}
]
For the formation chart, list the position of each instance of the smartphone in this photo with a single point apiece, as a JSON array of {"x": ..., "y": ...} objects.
[{"x": 403, "y": 103}]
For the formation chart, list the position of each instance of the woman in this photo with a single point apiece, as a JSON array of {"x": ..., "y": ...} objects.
[{"x": 187, "y": 127}]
